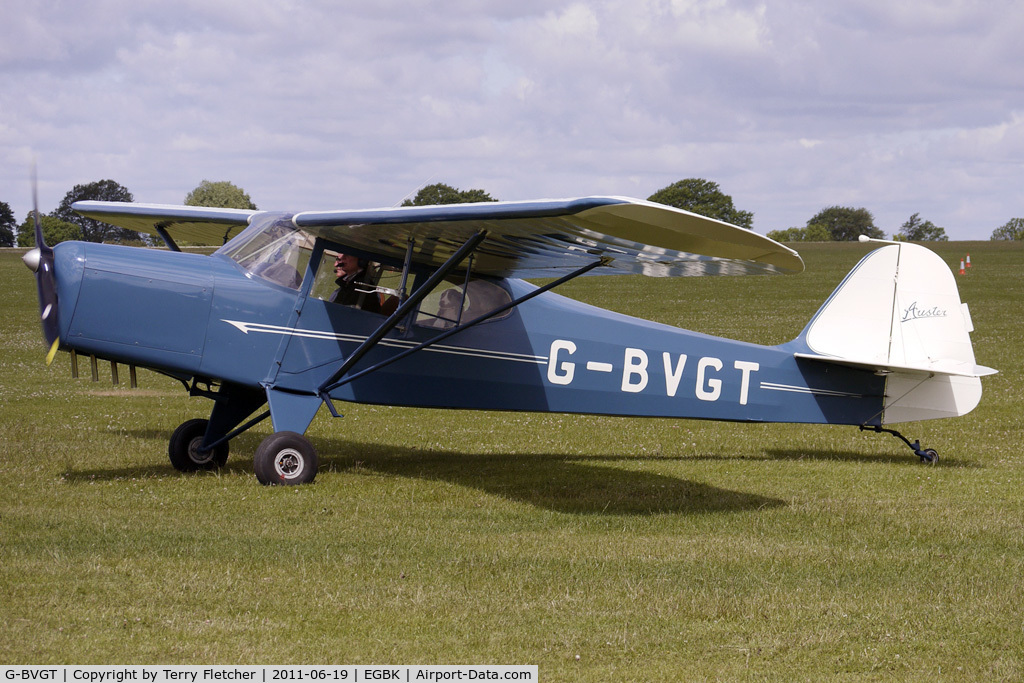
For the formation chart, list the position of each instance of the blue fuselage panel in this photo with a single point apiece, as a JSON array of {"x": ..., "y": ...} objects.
[
  {"x": 125, "y": 304},
  {"x": 204, "y": 316},
  {"x": 556, "y": 354}
]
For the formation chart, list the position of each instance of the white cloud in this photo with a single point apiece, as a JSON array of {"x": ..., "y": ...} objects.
[{"x": 576, "y": 21}]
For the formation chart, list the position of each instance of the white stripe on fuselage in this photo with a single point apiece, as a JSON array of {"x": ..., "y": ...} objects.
[
  {"x": 772, "y": 386},
  {"x": 246, "y": 328}
]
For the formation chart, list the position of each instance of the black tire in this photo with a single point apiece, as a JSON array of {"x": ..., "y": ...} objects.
[
  {"x": 285, "y": 458},
  {"x": 183, "y": 448},
  {"x": 930, "y": 456}
]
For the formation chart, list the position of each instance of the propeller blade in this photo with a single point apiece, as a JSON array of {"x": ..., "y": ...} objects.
[
  {"x": 40, "y": 260},
  {"x": 40, "y": 242}
]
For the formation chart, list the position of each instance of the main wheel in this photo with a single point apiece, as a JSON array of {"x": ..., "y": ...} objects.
[
  {"x": 929, "y": 456},
  {"x": 183, "y": 448},
  {"x": 285, "y": 458}
]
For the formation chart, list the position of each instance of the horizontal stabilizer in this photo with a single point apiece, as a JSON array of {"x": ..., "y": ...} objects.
[{"x": 939, "y": 367}]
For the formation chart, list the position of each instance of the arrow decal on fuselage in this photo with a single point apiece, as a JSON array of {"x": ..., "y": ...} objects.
[{"x": 247, "y": 327}]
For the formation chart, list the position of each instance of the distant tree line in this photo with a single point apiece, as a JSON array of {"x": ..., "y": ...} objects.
[
  {"x": 843, "y": 223},
  {"x": 7, "y": 225},
  {"x": 704, "y": 197},
  {"x": 1012, "y": 230}
]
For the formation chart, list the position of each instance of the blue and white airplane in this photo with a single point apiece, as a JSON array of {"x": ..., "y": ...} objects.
[{"x": 436, "y": 315}]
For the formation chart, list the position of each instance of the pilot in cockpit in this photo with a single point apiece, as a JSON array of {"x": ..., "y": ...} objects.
[{"x": 354, "y": 285}]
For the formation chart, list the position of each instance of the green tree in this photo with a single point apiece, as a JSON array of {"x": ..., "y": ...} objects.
[
  {"x": 93, "y": 230},
  {"x": 817, "y": 233},
  {"x": 846, "y": 224},
  {"x": 1012, "y": 230},
  {"x": 221, "y": 195},
  {"x": 704, "y": 197},
  {"x": 439, "y": 193},
  {"x": 7, "y": 225},
  {"x": 917, "y": 230},
  {"x": 812, "y": 233},
  {"x": 54, "y": 231},
  {"x": 787, "y": 235}
]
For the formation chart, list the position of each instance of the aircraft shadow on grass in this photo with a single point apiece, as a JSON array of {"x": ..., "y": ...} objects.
[{"x": 558, "y": 482}]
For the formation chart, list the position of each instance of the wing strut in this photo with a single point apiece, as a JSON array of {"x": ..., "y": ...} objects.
[
  {"x": 166, "y": 237},
  {"x": 444, "y": 335},
  {"x": 403, "y": 309}
]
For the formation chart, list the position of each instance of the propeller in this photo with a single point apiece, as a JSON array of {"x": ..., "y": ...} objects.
[{"x": 40, "y": 261}]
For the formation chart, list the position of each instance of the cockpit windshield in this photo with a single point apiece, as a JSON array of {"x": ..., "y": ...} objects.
[{"x": 273, "y": 249}]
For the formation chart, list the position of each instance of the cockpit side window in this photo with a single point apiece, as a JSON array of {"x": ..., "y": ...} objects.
[
  {"x": 452, "y": 303},
  {"x": 273, "y": 250},
  {"x": 348, "y": 280}
]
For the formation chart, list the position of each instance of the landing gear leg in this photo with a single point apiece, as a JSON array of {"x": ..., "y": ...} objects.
[{"x": 928, "y": 456}]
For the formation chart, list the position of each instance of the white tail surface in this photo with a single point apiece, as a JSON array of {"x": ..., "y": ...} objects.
[{"x": 899, "y": 313}]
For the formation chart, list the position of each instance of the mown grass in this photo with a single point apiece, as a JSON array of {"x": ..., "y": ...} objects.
[{"x": 598, "y": 548}]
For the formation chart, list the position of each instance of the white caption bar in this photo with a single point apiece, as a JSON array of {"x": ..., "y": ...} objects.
[{"x": 265, "y": 674}]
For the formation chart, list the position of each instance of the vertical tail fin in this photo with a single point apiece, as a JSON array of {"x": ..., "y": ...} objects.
[{"x": 899, "y": 313}]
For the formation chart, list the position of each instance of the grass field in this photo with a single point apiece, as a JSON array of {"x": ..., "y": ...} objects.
[{"x": 601, "y": 549}]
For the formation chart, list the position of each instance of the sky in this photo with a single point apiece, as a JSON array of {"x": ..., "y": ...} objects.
[{"x": 790, "y": 106}]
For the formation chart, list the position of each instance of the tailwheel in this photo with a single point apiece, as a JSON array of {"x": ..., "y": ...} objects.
[
  {"x": 185, "y": 451},
  {"x": 928, "y": 456},
  {"x": 285, "y": 458}
]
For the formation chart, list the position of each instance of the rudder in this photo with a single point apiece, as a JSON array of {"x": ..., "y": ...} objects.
[{"x": 899, "y": 312}]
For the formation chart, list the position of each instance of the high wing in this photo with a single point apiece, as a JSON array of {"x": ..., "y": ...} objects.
[
  {"x": 194, "y": 224},
  {"x": 530, "y": 239},
  {"x": 548, "y": 238}
]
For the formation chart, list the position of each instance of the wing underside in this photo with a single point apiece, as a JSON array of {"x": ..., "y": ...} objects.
[
  {"x": 551, "y": 237},
  {"x": 546, "y": 238},
  {"x": 192, "y": 224}
]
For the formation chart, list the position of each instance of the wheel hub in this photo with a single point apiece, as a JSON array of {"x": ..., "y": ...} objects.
[
  {"x": 197, "y": 456},
  {"x": 289, "y": 463}
]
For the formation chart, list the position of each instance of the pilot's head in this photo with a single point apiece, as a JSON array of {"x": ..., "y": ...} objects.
[{"x": 346, "y": 264}]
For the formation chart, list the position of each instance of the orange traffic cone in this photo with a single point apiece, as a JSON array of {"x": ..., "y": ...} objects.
[
  {"x": 968, "y": 260},
  {"x": 961, "y": 266}
]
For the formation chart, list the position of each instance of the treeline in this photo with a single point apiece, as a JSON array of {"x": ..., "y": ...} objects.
[
  {"x": 839, "y": 223},
  {"x": 842, "y": 224},
  {"x": 705, "y": 197}
]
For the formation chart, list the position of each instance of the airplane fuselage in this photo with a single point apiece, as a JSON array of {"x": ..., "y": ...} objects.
[{"x": 195, "y": 316}]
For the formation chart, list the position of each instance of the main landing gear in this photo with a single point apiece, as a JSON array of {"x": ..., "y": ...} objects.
[
  {"x": 928, "y": 456},
  {"x": 283, "y": 458},
  {"x": 185, "y": 451}
]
